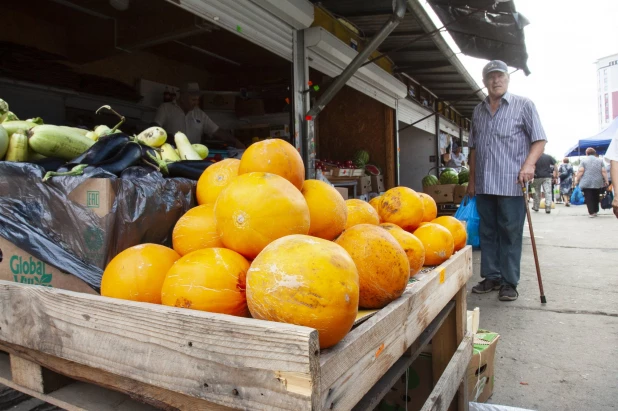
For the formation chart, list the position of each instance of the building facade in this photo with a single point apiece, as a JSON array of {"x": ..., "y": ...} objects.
[{"x": 607, "y": 89}]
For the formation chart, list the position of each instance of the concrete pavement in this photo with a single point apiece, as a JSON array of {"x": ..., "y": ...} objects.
[{"x": 565, "y": 352}]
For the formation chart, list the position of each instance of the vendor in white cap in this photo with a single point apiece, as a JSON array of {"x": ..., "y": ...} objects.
[
  {"x": 457, "y": 158},
  {"x": 184, "y": 115}
]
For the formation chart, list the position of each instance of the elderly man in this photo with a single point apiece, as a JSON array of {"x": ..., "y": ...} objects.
[
  {"x": 184, "y": 115},
  {"x": 506, "y": 140},
  {"x": 612, "y": 155}
]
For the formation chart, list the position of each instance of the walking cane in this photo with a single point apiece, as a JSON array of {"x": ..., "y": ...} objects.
[{"x": 536, "y": 257}]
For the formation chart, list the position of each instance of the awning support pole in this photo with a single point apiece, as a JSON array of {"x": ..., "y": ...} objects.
[{"x": 328, "y": 94}]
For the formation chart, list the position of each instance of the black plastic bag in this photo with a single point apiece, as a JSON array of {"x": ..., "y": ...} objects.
[{"x": 65, "y": 223}]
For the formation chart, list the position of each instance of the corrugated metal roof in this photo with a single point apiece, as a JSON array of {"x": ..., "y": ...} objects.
[{"x": 422, "y": 60}]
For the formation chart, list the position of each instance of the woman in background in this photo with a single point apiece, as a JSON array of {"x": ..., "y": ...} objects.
[
  {"x": 565, "y": 172},
  {"x": 591, "y": 177}
]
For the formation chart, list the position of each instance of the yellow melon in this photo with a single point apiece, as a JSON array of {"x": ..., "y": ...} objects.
[
  {"x": 327, "y": 209},
  {"x": 438, "y": 243},
  {"x": 360, "y": 212},
  {"x": 430, "y": 208},
  {"x": 383, "y": 267},
  {"x": 402, "y": 206},
  {"x": 412, "y": 246},
  {"x": 214, "y": 179},
  {"x": 274, "y": 156},
  {"x": 212, "y": 279},
  {"x": 306, "y": 281},
  {"x": 257, "y": 208},
  {"x": 195, "y": 230},
  {"x": 457, "y": 229}
]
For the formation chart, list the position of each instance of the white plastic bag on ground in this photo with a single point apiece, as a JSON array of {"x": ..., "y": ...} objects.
[{"x": 477, "y": 406}]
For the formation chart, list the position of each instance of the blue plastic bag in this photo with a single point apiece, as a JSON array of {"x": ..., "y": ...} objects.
[
  {"x": 577, "y": 198},
  {"x": 469, "y": 215}
]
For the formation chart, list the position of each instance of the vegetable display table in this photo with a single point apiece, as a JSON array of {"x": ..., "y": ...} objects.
[{"x": 71, "y": 349}]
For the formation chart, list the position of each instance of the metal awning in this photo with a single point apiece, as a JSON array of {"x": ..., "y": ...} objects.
[
  {"x": 487, "y": 29},
  {"x": 413, "y": 52}
]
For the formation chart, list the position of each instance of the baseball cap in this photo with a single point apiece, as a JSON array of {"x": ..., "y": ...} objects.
[
  {"x": 495, "y": 65},
  {"x": 191, "y": 88}
]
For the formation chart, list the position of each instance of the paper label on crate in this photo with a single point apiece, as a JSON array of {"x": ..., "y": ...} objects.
[
  {"x": 29, "y": 271},
  {"x": 442, "y": 274}
]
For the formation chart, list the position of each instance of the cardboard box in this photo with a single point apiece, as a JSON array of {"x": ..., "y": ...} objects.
[
  {"x": 364, "y": 185},
  {"x": 250, "y": 107},
  {"x": 19, "y": 266},
  {"x": 480, "y": 372},
  {"x": 441, "y": 193},
  {"x": 377, "y": 184},
  {"x": 420, "y": 384},
  {"x": 364, "y": 197},
  {"x": 215, "y": 101},
  {"x": 459, "y": 193},
  {"x": 343, "y": 191},
  {"x": 340, "y": 172}
]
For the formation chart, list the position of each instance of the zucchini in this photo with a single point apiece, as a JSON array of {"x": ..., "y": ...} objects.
[
  {"x": 13, "y": 126},
  {"x": 77, "y": 130},
  {"x": 33, "y": 156},
  {"x": 18, "y": 147},
  {"x": 186, "y": 150},
  {"x": 11, "y": 117},
  {"x": 201, "y": 149},
  {"x": 153, "y": 137},
  {"x": 37, "y": 120},
  {"x": 4, "y": 110},
  {"x": 92, "y": 136},
  {"x": 168, "y": 153},
  {"x": 4, "y": 142},
  {"x": 101, "y": 131},
  {"x": 54, "y": 141}
]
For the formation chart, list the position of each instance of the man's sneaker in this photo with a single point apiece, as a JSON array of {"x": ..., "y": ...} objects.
[
  {"x": 535, "y": 209},
  {"x": 486, "y": 286},
  {"x": 547, "y": 210},
  {"x": 508, "y": 293}
]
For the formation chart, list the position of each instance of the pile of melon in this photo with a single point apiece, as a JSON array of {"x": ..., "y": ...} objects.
[{"x": 265, "y": 243}]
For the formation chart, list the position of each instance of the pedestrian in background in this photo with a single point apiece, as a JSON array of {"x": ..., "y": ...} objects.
[
  {"x": 612, "y": 155},
  {"x": 544, "y": 174},
  {"x": 591, "y": 178},
  {"x": 506, "y": 140},
  {"x": 565, "y": 172}
]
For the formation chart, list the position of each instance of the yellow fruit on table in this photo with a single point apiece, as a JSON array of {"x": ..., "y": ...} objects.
[
  {"x": 402, "y": 206},
  {"x": 412, "y": 246},
  {"x": 327, "y": 209},
  {"x": 306, "y": 281},
  {"x": 457, "y": 229},
  {"x": 375, "y": 203},
  {"x": 195, "y": 230},
  {"x": 212, "y": 279},
  {"x": 255, "y": 209},
  {"x": 438, "y": 243},
  {"x": 274, "y": 156},
  {"x": 360, "y": 212},
  {"x": 390, "y": 226},
  {"x": 137, "y": 273},
  {"x": 430, "y": 208},
  {"x": 383, "y": 267},
  {"x": 214, "y": 179}
]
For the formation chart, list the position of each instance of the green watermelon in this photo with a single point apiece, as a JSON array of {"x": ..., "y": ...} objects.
[
  {"x": 361, "y": 157},
  {"x": 449, "y": 176},
  {"x": 430, "y": 180},
  {"x": 464, "y": 176},
  {"x": 372, "y": 170}
]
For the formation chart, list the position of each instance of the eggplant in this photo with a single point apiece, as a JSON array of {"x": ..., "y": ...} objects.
[
  {"x": 135, "y": 172},
  {"x": 191, "y": 169},
  {"x": 130, "y": 155},
  {"x": 50, "y": 163},
  {"x": 105, "y": 149}
]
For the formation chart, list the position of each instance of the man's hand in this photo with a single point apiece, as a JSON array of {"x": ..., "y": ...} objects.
[
  {"x": 615, "y": 206},
  {"x": 526, "y": 174},
  {"x": 471, "y": 189}
]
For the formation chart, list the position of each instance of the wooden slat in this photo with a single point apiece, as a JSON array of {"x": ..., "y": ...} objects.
[
  {"x": 353, "y": 366},
  {"x": 443, "y": 346},
  {"x": 31, "y": 375},
  {"x": 372, "y": 399},
  {"x": 461, "y": 316},
  {"x": 444, "y": 391},
  {"x": 230, "y": 361}
]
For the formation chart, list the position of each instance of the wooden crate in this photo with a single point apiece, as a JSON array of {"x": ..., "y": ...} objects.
[{"x": 183, "y": 359}]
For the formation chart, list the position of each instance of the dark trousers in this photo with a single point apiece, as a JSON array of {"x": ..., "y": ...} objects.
[
  {"x": 591, "y": 198},
  {"x": 501, "y": 232}
]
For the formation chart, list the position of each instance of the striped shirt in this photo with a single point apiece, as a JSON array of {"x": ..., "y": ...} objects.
[
  {"x": 502, "y": 143},
  {"x": 593, "y": 173}
]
